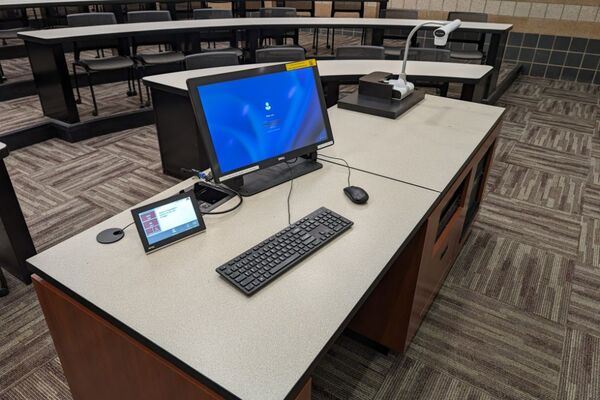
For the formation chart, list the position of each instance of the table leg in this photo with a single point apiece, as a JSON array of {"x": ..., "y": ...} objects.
[
  {"x": 332, "y": 93},
  {"x": 473, "y": 91},
  {"x": 252, "y": 44},
  {"x": 51, "y": 76},
  {"x": 17, "y": 245},
  {"x": 494, "y": 58}
]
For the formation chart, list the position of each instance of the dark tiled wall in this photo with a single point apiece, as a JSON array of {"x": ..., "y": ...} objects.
[{"x": 555, "y": 57}]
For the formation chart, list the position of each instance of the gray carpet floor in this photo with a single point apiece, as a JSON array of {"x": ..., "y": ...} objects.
[{"x": 517, "y": 318}]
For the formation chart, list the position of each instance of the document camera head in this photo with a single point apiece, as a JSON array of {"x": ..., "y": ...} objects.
[{"x": 440, "y": 35}]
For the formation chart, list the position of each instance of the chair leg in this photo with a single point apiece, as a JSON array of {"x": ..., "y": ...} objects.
[
  {"x": 130, "y": 85},
  {"x": 327, "y": 42},
  {"x": 2, "y": 77},
  {"x": 89, "y": 76},
  {"x": 139, "y": 74},
  {"x": 78, "y": 100},
  {"x": 332, "y": 40},
  {"x": 3, "y": 285}
]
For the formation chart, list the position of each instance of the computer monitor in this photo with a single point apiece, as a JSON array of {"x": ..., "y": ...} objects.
[{"x": 252, "y": 121}]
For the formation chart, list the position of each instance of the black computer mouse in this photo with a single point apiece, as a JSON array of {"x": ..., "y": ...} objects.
[{"x": 356, "y": 194}]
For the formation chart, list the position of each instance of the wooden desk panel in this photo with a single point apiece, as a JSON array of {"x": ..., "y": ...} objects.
[{"x": 102, "y": 362}]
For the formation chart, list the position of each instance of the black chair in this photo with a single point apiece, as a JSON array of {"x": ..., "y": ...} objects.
[
  {"x": 346, "y": 7},
  {"x": 279, "y": 35},
  {"x": 393, "y": 52},
  {"x": 212, "y": 59},
  {"x": 472, "y": 38},
  {"x": 279, "y": 54},
  {"x": 360, "y": 53},
  {"x": 217, "y": 35},
  {"x": 102, "y": 63},
  {"x": 435, "y": 55},
  {"x": 149, "y": 59}
]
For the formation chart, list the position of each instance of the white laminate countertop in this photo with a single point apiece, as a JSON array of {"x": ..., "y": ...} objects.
[
  {"x": 328, "y": 68},
  {"x": 426, "y": 146},
  {"x": 255, "y": 347},
  {"x": 65, "y": 34}
]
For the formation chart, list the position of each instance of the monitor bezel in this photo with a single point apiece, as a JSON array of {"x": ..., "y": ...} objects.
[{"x": 202, "y": 123}]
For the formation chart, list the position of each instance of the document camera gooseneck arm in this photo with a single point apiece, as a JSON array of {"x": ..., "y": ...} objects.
[{"x": 440, "y": 39}]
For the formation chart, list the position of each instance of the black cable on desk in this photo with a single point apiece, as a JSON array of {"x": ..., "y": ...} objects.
[
  {"x": 341, "y": 159},
  {"x": 291, "y": 187}
]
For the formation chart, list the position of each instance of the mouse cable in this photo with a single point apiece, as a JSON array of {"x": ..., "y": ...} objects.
[
  {"x": 341, "y": 159},
  {"x": 373, "y": 173},
  {"x": 291, "y": 187}
]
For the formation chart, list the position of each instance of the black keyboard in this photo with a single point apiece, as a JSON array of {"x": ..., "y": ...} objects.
[{"x": 255, "y": 268}]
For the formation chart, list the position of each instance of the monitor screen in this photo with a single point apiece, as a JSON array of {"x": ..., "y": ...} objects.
[
  {"x": 169, "y": 220},
  {"x": 263, "y": 116}
]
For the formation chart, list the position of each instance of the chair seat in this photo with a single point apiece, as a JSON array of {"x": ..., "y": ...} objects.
[
  {"x": 466, "y": 55},
  {"x": 237, "y": 51},
  {"x": 168, "y": 57},
  {"x": 106, "y": 63},
  {"x": 12, "y": 33}
]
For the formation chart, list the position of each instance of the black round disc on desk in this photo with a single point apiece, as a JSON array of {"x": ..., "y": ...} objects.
[{"x": 111, "y": 235}]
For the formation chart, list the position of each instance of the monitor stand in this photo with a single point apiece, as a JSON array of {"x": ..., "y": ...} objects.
[{"x": 256, "y": 182}]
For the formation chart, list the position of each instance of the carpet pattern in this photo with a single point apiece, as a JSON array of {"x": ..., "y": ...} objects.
[{"x": 517, "y": 318}]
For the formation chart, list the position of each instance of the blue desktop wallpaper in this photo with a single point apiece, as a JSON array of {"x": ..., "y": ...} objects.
[{"x": 257, "y": 118}]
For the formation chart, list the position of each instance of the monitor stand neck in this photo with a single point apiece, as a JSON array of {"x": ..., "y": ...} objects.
[{"x": 263, "y": 179}]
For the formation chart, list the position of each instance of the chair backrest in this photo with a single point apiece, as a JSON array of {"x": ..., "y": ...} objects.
[
  {"x": 280, "y": 54},
  {"x": 212, "y": 13},
  {"x": 301, "y": 6},
  {"x": 211, "y": 59},
  {"x": 277, "y": 12},
  {"x": 92, "y": 19},
  {"x": 148, "y": 16},
  {"x": 397, "y": 13},
  {"x": 427, "y": 54},
  {"x": 467, "y": 37},
  {"x": 348, "y": 6},
  {"x": 13, "y": 18},
  {"x": 360, "y": 53}
]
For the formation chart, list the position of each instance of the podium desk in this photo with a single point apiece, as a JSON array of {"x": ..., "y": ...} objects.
[
  {"x": 165, "y": 325},
  {"x": 210, "y": 338}
]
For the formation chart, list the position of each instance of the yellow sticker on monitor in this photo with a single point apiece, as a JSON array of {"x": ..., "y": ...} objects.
[{"x": 301, "y": 64}]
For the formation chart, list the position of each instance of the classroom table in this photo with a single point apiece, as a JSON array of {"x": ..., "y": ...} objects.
[
  {"x": 165, "y": 325},
  {"x": 51, "y": 72},
  {"x": 175, "y": 121}
]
